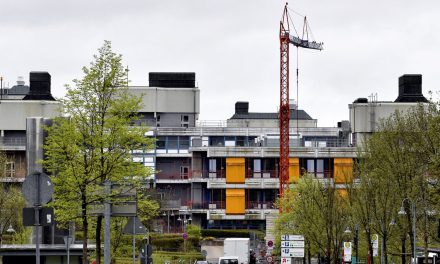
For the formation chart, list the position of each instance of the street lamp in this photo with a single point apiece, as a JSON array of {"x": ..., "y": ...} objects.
[
  {"x": 10, "y": 229},
  {"x": 355, "y": 238},
  {"x": 403, "y": 212}
]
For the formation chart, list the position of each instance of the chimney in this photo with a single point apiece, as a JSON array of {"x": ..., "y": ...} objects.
[
  {"x": 242, "y": 107},
  {"x": 410, "y": 88},
  {"x": 39, "y": 89}
]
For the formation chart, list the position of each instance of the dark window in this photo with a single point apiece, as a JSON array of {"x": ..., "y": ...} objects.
[
  {"x": 161, "y": 143},
  {"x": 183, "y": 142},
  {"x": 172, "y": 142},
  {"x": 217, "y": 141}
]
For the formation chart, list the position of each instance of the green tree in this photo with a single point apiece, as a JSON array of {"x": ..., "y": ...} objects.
[
  {"x": 318, "y": 211},
  {"x": 3, "y": 160},
  {"x": 11, "y": 206},
  {"x": 93, "y": 143},
  {"x": 399, "y": 161}
]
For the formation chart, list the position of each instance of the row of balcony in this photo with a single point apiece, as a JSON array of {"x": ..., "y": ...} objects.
[
  {"x": 213, "y": 205},
  {"x": 221, "y": 174}
]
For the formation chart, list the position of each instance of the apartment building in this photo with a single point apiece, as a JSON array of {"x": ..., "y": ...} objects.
[
  {"x": 216, "y": 174},
  {"x": 225, "y": 174},
  {"x": 23, "y": 109}
]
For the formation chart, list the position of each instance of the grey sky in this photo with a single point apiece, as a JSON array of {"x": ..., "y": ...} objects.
[{"x": 232, "y": 46}]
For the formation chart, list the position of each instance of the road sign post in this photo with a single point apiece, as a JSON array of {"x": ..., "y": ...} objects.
[
  {"x": 37, "y": 189},
  {"x": 292, "y": 246}
]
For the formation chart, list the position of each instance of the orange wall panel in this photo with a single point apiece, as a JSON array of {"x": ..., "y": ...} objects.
[
  {"x": 235, "y": 201},
  {"x": 235, "y": 170},
  {"x": 293, "y": 170},
  {"x": 343, "y": 170}
]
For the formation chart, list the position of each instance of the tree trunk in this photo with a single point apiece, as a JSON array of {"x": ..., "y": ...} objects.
[
  {"x": 85, "y": 229},
  {"x": 385, "y": 251},
  {"x": 404, "y": 248},
  {"x": 98, "y": 239},
  {"x": 425, "y": 236},
  {"x": 370, "y": 248}
]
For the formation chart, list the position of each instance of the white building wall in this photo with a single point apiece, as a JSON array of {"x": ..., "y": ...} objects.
[{"x": 14, "y": 112}]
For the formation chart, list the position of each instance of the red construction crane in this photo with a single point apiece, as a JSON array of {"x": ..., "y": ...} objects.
[{"x": 284, "y": 112}]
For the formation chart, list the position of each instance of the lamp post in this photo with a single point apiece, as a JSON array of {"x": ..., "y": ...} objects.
[
  {"x": 355, "y": 239},
  {"x": 402, "y": 212},
  {"x": 10, "y": 230}
]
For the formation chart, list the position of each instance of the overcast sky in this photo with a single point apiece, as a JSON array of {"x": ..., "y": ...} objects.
[{"x": 233, "y": 47}]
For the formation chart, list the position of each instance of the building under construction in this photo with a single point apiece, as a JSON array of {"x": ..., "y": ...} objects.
[
  {"x": 226, "y": 174},
  {"x": 216, "y": 174}
]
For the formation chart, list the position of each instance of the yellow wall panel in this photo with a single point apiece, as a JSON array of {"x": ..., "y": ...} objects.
[
  {"x": 343, "y": 170},
  {"x": 235, "y": 201},
  {"x": 235, "y": 170},
  {"x": 293, "y": 170}
]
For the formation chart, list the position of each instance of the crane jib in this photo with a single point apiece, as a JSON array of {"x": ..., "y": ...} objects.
[{"x": 305, "y": 43}]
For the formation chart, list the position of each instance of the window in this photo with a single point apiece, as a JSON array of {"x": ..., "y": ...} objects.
[
  {"x": 10, "y": 169},
  {"x": 317, "y": 167},
  {"x": 161, "y": 143},
  {"x": 183, "y": 142},
  {"x": 172, "y": 142},
  {"x": 257, "y": 165},
  {"x": 311, "y": 166},
  {"x": 212, "y": 165},
  {"x": 320, "y": 168},
  {"x": 184, "y": 172},
  {"x": 240, "y": 142},
  {"x": 184, "y": 121}
]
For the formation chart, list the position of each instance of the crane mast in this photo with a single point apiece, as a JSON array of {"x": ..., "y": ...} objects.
[{"x": 284, "y": 110}]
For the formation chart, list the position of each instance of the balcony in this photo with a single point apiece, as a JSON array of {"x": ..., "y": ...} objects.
[{"x": 12, "y": 143}]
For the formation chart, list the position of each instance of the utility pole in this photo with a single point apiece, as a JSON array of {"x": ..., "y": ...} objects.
[{"x": 107, "y": 212}]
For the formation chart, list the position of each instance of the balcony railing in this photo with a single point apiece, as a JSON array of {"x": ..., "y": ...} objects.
[
  {"x": 259, "y": 205},
  {"x": 212, "y": 205},
  {"x": 13, "y": 141},
  {"x": 215, "y": 205},
  {"x": 250, "y": 174},
  {"x": 262, "y": 174}
]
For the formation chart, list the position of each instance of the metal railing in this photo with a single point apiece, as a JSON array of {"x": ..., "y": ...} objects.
[
  {"x": 13, "y": 141},
  {"x": 249, "y": 174}
]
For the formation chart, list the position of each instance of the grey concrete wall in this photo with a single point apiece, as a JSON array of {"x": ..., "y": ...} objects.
[
  {"x": 175, "y": 119},
  {"x": 171, "y": 100},
  {"x": 365, "y": 117},
  {"x": 14, "y": 113}
]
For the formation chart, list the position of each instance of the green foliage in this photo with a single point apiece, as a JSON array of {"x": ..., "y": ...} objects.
[
  {"x": 194, "y": 230},
  {"x": 400, "y": 161},
  {"x": 11, "y": 206},
  {"x": 3, "y": 160},
  {"x": 94, "y": 143},
  {"x": 175, "y": 243},
  {"x": 147, "y": 208},
  {"x": 316, "y": 210}
]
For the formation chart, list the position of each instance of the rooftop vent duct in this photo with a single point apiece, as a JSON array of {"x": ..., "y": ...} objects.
[
  {"x": 39, "y": 83},
  {"x": 242, "y": 107},
  {"x": 410, "y": 88},
  {"x": 172, "y": 79}
]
